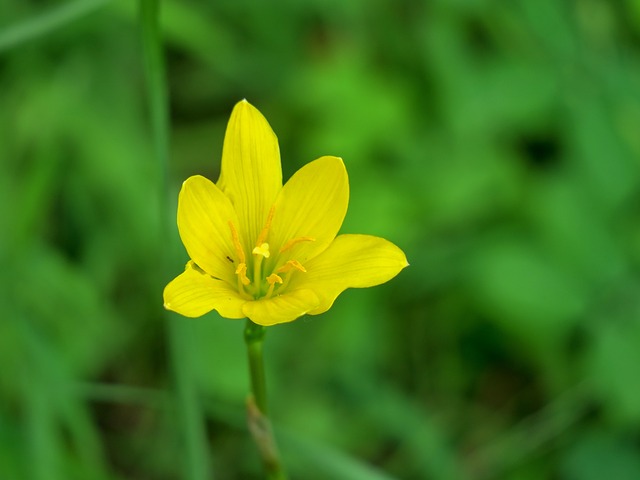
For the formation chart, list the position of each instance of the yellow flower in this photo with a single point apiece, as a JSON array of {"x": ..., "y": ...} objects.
[{"x": 266, "y": 251}]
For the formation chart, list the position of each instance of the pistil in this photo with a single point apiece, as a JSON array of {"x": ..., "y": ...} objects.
[{"x": 260, "y": 252}]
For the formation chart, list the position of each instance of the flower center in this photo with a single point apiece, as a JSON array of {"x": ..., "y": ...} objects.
[{"x": 256, "y": 279}]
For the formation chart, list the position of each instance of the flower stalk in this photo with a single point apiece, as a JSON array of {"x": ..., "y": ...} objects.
[
  {"x": 257, "y": 410},
  {"x": 254, "y": 338}
]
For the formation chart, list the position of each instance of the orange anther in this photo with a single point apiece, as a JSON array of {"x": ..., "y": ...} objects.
[
  {"x": 241, "y": 271},
  {"x": 290, "y": 265},
  {"x": 236, "y": 243},
  {"x": 295, "y": 241},
  {"x": 265, "y": 231}
]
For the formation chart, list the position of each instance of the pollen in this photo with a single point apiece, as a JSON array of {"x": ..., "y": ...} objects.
[
  {"x": 241, "y": 271},
  {"x": 265, "y": 231},
  {"x": 295, "y": 241},
  {"x": 272, "y": 280},
  {"x": 290, "y": 265},
  {"x": 237, "y": 245}
]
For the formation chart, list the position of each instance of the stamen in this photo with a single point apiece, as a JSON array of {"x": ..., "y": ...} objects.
[
  {"x": 295, "y": 241},
  {"x": 237, "y": 244},
  {"x": 265, "y": 231},
  {"x": 290, "y": 265},
  {"x": 262, "y": 249},
  {"x": 272, "y": 280},
  {"x": 241, "y": 271}
]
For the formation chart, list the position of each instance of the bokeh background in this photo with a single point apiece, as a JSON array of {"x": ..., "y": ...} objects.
[{"x": 496, "y": 142}]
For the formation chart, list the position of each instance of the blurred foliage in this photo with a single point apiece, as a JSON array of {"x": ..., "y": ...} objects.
[{"x": 497, "y": 142}]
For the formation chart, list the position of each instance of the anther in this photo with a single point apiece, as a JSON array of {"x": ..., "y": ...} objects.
[
  {"x": 295, "y": 241},
  {"x": 265, "y": 231},
  {"x": 272, "y": 280},
  {"x": 236, "y": 243},
  {"x": 241, "y": 271},
  {"x": 290, "y": 265}
]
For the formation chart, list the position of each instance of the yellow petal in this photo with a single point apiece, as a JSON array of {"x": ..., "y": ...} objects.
[
  {"x": 313, "y": 204},
  {"x": 251, "y": 174},
  {"x": 281, "y": 309},
  {"x": 193, "y": 294},
  {"x": 351, "y": 261},
  {"x": 203, "y": 222}
]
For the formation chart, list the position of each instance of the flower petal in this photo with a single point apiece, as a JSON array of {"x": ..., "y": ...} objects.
[
  {"x": 194, "y": 293},
  {"x": 351, "y": 261},
  {"x": 251, "y": 174},
  {"x": 313, "y": 203},
  {"x": 203, "y": 222},
  {"x": 281, "y": 309}
]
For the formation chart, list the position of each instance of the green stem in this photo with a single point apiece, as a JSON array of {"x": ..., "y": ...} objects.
[
  {"x": 254, "y": 338},
  {"x": 257, "y": 412}
]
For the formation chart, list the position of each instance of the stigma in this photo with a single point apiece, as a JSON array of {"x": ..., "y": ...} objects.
[{"x": 262, "y": 249}]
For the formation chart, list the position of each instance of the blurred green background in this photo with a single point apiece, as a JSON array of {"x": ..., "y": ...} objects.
[{"x": 497, "y": 143}]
